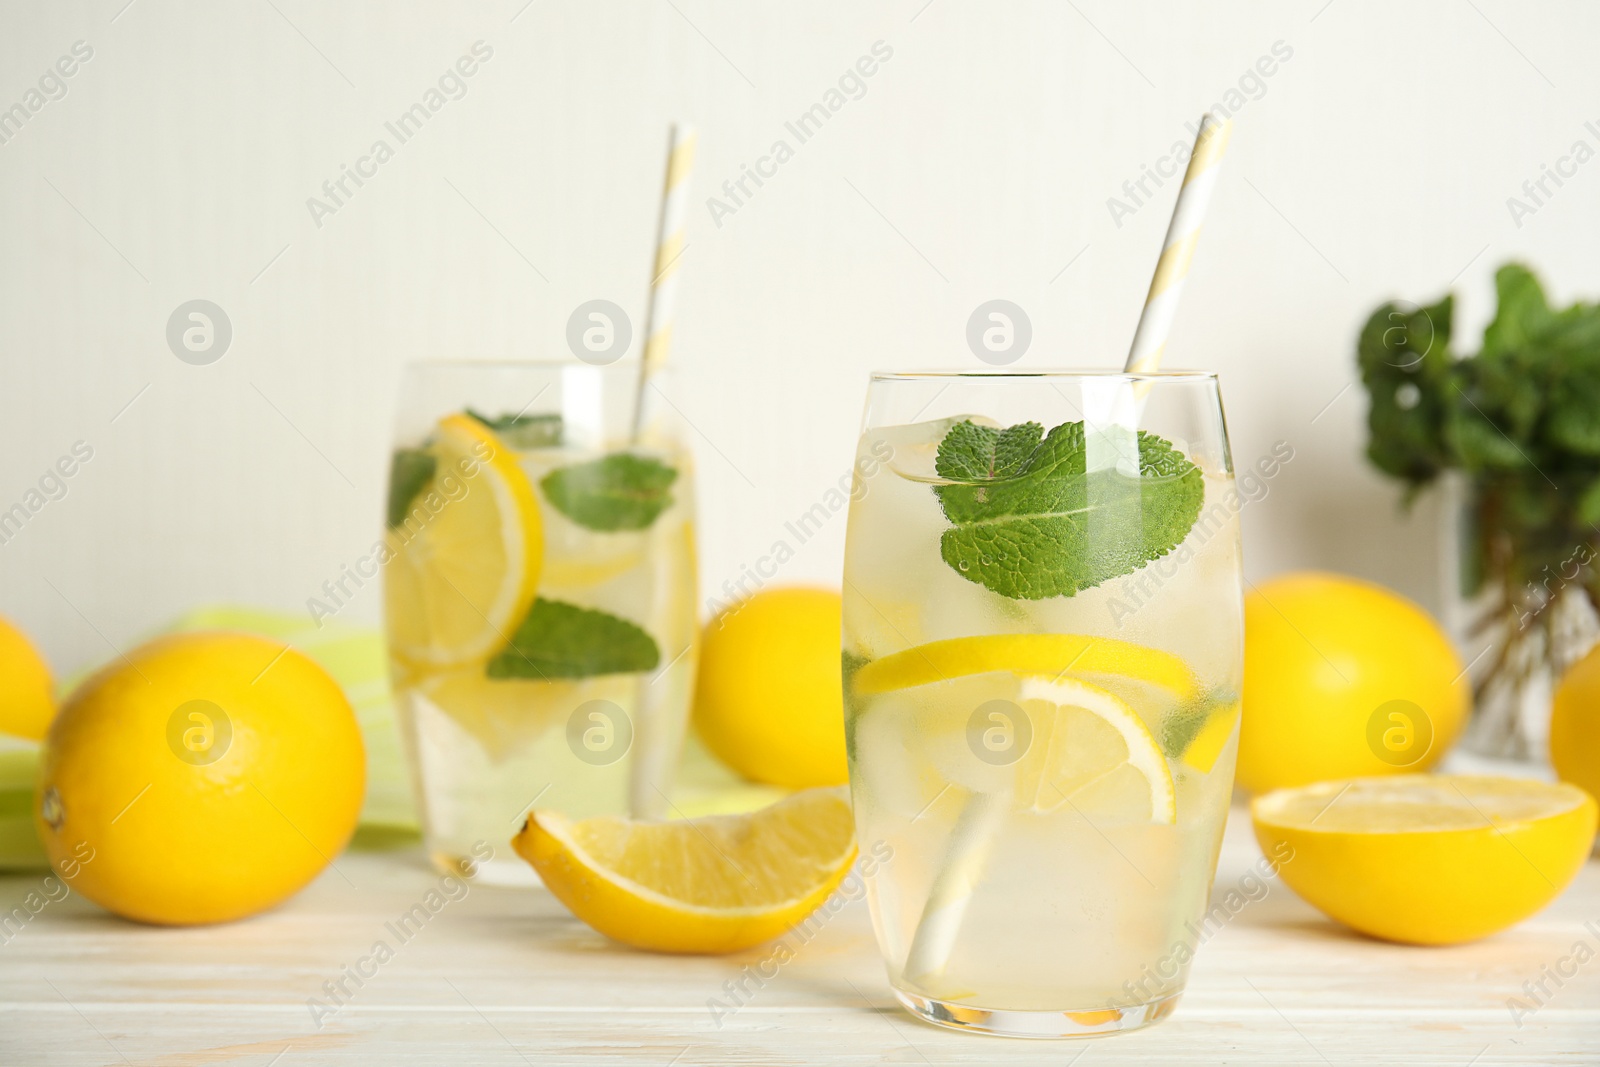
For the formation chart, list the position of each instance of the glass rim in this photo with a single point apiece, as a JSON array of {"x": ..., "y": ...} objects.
[
  {"x": 1131, "y": 376},
  {"x": 437, "y": 363}
]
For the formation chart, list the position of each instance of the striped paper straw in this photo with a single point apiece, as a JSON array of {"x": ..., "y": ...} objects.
[
  {"x": 1183, "y": 233},
  {"x": 664, "y": 272},
  {"x": 1110, "y": 441}
]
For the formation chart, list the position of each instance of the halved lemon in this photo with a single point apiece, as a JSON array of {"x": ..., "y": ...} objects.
[
  {"x": 1043, "y": 655},
  {"x": 710, "y": 885},
  {"x": 465, "y": 565},
  {"x": 1427, "y": 859}
]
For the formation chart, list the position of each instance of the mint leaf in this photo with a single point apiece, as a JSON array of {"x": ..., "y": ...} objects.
[
  {"x": 410, "y": 471},
  {"x": 560, "y": 640},
  {"x": 524, "y": 431},
  {"x": 1481, "y": 442},
  {"x": 1026, "y": 535},
  {"x": 973, "y": 453},
  {"x": 1184, "y": 724},
  {"x": 621, "y": 491},
  {"x": 1522, "y": 314},
  {"x": 1408, "y": 370},
  {"x": 1574, "y": 423},
  {"x": 849, "y": 663},
  {"x": 1589, "y": 505}
]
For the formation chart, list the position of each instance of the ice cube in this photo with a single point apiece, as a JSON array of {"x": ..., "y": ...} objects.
[{"x": 914, "y": 448}]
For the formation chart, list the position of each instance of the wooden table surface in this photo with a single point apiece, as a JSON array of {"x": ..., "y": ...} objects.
[{"x": 504, "y": 976}]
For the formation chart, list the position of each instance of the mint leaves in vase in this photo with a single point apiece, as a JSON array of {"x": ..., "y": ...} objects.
[{"x": 1517, "y": 427}]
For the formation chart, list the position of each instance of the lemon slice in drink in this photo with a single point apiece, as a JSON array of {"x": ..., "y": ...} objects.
[
  {"x": 1079, "y": 744},
  {"x": 465, "y": 564},
  {"x": 716, "y": 884},
  {"x": 1046, "y": 655},
  {"x": 505, "y": 715},
  {"x": 1095, "y": 755},
  {"x": 1046, "y": 744},
  {"x": 1427, "y": 859}
]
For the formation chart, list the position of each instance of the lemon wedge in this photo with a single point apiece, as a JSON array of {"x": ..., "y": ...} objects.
[
  {"x": 464, "y": 566},
  {"x": 1427, "y": 859},
  {"x": 710, "y": 885}
]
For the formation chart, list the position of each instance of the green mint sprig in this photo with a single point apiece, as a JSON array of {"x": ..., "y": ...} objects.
[
  {"x": 524, "y": 431},
  {"x": 561, "y": 640},
  {"x": 620, "y": 491},
  {"x": 1022, "y": 521},
  {"x": 410, "y": 471},
  {"x": 1519, "y": 419}
]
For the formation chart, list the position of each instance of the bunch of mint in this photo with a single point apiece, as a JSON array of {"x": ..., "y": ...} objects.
[
  {"x": 1520, "y": 420},
  {"x": 1526, "y": 406}
]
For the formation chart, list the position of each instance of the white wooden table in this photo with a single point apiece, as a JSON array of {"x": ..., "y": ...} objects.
[{"x": 504, "y": 976}]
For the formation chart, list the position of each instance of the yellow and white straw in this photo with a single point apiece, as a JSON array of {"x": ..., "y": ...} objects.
[
  {"x": 669, "y": 249},
  {"x": 1110, "y": 419},
  {"x": 1183, "y": 233}
]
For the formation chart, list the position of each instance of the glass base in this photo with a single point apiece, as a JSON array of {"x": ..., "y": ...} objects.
[
  {"x": 509, "y": 870},
  {"x": 1003, "y": 1022}
]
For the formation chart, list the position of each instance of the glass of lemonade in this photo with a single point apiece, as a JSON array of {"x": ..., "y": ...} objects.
[
  {"x": 539, "y": 586},
  {"x": 1043, "y": 647}
]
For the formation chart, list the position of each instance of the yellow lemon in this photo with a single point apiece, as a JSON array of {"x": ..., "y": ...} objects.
[
  {"x": 463, "y": 566},
  {"x": 1575, "y": 725},
  {"x": 715, "y": 884},
  {"x": 1427, "y": 859},
  {"x": 769, "y": 702},
  {"x": 203, "y": 777},
  {"x": 26, "y": 702},
  {"x": 1343, "y": 678}
]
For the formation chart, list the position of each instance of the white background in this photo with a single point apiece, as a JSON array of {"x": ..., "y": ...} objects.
[{"x": 1375, "y": 162}]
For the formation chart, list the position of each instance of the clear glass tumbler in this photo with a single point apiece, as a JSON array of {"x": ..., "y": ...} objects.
[
  {"x": 539, "y": 589},
  {"x": 1043, "y": 648}
]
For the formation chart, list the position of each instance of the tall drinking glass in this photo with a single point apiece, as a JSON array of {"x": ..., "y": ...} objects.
[
  {"x": 539, "y": 600},
  {"x": 1042, "y": 653}
]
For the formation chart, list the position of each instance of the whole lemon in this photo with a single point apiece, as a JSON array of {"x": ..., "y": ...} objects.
[
  {"x": 203, "y": 777},
  {"x": 26, "y": 703},
  {"x": 769, "y": 701},
  {"x": 1343, "y": 678},
  {"x": 1575, "y": 725}
]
